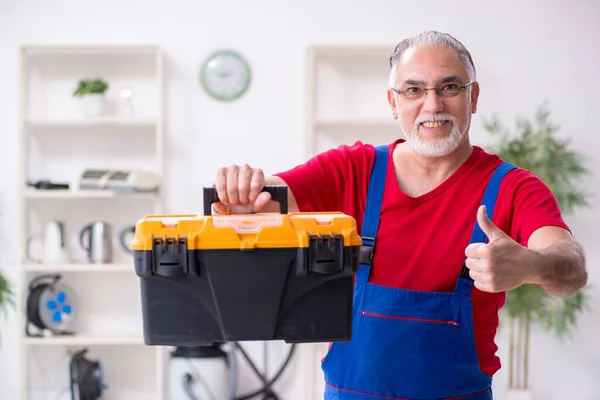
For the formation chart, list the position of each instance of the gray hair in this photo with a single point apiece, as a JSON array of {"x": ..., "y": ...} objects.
[{"x": 434, "y": 38}]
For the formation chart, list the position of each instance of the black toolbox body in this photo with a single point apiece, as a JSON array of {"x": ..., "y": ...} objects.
[{"x": 208, "y": 279}]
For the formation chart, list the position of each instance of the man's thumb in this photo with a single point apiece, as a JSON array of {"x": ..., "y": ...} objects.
[{"x": 487, "y": 226}]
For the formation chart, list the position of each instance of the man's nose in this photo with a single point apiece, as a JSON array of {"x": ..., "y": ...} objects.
[{"x": 432, "y": 103}]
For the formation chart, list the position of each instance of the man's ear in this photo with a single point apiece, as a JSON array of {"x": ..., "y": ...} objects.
[
  {"x": 474, "y": 97},
  {"x": 392, "y": 102}
]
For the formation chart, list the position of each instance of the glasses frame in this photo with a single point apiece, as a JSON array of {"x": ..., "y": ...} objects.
[{"x": 437, "y": 91}]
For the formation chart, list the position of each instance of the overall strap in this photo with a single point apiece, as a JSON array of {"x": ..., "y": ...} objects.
[
  {"x": 372, "y": 212},
  {"x": 465, "y": 283}
]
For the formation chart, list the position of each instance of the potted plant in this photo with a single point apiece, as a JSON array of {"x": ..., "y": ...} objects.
[
  {"x": 534, "y": 146},
  {"x": 6, "y": 294},
  {"x": 92, "y": 91}
]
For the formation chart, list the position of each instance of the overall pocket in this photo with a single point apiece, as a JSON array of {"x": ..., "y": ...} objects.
[{"x": 407, "y": 356}]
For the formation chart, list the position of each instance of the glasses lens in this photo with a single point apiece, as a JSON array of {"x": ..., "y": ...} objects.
[
  {"x": 449, "y": 91},
  {"x": 413, "y": 93}
]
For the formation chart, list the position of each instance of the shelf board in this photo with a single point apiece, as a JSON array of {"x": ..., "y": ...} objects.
[
  {"x": 80, "y": 267},
  {"x": 107, "y": 49},
  {"x": 84, "y": 194},
  {"x": 86, "y": 340},
  {"x": 89, "y": 122}
]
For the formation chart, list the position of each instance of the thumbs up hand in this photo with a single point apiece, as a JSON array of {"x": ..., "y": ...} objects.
[{"x": 499, "y": 265}]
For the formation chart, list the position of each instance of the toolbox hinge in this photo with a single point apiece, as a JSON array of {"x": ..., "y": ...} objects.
[{"x": 169, "y": 257}]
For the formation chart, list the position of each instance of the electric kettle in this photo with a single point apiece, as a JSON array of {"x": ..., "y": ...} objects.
[
  {"x": 55, "y": 249},
  {"x": 96, "y": 240}
]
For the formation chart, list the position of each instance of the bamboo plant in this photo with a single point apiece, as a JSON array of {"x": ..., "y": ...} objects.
[{"x": 534, "y": 146}]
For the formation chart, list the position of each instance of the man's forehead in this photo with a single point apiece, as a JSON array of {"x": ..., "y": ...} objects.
[
  {"x": 430, "y": 64},
  {"x": 429, "y": 53}
]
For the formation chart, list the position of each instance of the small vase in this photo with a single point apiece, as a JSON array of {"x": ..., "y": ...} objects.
[
  {"x": 519, "y": 394},
  {"x": 93, "y": 104}
]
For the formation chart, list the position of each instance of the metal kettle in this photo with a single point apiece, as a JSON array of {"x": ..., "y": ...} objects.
[{"x": 96, "y": 240}]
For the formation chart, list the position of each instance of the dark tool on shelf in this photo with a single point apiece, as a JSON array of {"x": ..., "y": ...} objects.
[
  {"x": 47, "y": 185},
  {"x": 50, "y": 306},
  {"x": 86, "y": 377}
]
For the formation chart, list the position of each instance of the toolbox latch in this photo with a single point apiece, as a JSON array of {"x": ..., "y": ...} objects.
[
  {"x": 326, "y": 253},
  {"x": 169, "y": 257}
]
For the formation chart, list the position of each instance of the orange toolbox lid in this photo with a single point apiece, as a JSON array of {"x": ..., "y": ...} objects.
[{"x": 245, "y": 231}]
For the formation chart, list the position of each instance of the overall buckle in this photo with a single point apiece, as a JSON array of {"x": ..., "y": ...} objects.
[
  {"x": 464, "y": 273},
  {"x": 365, "y": 255}
]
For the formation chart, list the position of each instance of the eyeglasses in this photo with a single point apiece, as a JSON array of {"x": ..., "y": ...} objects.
[{"x": 446, "y": 90}]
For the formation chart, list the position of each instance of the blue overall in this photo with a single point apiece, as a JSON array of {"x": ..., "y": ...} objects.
[{"x": 408, "y": 344}]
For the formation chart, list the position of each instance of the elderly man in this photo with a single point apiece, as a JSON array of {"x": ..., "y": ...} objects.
[{"x": 448, "y": 228}]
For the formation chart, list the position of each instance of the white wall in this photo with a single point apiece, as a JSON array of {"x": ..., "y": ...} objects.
[{"x": 525, "y": 53}]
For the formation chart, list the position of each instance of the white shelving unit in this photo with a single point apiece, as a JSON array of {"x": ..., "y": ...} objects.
[
  {"x": 346, "y": 102},
  {"x": 346, "y": 96},
  {"x": 58, "y": 143}
]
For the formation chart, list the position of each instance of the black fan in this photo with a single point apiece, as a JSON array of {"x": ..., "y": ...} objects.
[{"x": 86, "y": 378}]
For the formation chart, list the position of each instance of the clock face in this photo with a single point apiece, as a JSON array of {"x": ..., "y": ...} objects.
[{"x": 225, "y": 75}]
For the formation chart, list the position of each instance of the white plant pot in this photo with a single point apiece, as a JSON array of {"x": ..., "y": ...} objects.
[
  {"x": 519, "y": 394},
  {"x": 93, "y": 104}
]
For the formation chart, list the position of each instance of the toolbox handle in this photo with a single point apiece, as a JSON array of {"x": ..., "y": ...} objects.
[{"x": 278, "y": 194}]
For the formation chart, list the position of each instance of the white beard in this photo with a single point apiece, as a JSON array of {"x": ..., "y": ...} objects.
[{"x": 437, "y": 147}]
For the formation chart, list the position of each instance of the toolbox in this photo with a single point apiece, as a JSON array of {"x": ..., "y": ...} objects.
[{"x": 209, "y": 279}]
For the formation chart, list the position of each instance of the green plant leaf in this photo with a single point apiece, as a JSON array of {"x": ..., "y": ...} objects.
[
  {"x": 91, "y": 85},
  {"x": 6, "y": 294},
  {"x": 559, "y": 315}
]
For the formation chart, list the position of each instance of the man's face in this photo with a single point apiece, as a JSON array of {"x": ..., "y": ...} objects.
[{"x": 434, "y": 125}]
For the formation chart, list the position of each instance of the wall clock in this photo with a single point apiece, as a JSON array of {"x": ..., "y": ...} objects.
[{"x": 225, "y": 75}]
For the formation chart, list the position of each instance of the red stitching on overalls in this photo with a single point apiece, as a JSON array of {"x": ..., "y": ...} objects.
[
  {"x": 428, "y": 320},
  {"x": 402, "y": 398}
]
